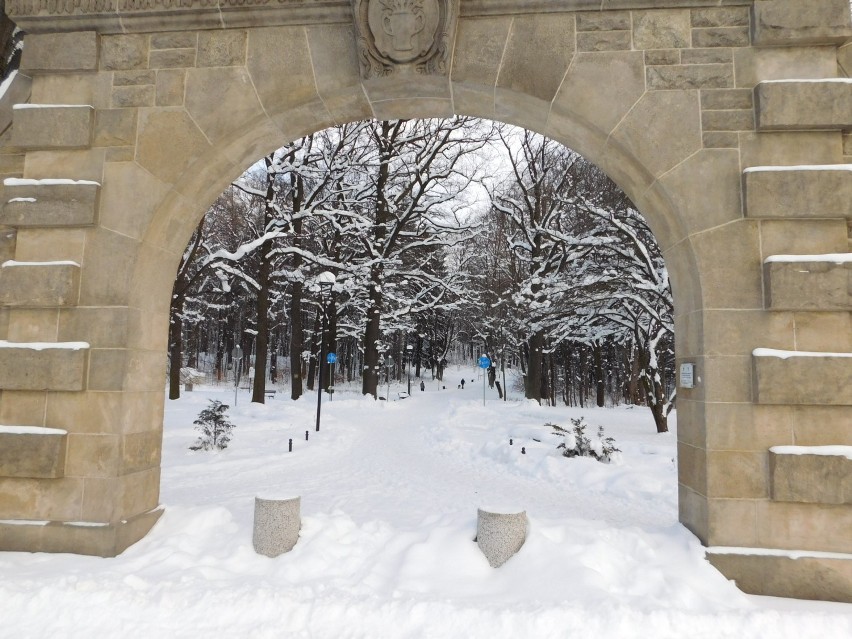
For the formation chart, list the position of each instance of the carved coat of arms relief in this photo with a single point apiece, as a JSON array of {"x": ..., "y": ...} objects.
[{"x": 400, "y": 36}]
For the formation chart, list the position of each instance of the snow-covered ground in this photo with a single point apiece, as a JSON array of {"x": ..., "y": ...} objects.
[{"x": 389, "y": 496}]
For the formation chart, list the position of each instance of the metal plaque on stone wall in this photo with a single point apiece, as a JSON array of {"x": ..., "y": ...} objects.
[{"x": 399, "y": 36}]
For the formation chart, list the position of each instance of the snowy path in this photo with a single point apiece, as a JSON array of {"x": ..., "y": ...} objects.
[{"x": 389, "y": 496}]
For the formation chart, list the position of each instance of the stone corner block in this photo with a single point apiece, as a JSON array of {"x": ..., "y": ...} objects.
[
  {"x": 49, "y": 203},
  {"x": 800, "y": 378},
  {"x": 34, "y": 285},
  {"x": 796, "y": 23},
  {"x": 276, "y": 525},
  {"x": 780, "y": 575},
  {"x": 84, "y": 538},
  {"x": 799, "y": 192},
  {"x": 60, "y": 52},
  {"x": 794, "y": 283},
  {"x": 52, "y": 126},
  {"x": 57, "y": 367},
  {"x": 32, "y": 452},
  {"x": 811, "y": 474},
  {"x": 802, "y": 105}
]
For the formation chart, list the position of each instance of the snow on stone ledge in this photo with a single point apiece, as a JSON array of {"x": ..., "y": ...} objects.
[
  {"x": 835, "y": 258},
  {"x": 13, "y": 263},
  {"x": 800, "y": 167},
  {"x": 771, "y": 352},
  {"x": 31, "y": 430},
  {"x": 19, "y": 107},
  {"x": 810, "y": 81},
  {"x": 42, "y": 346},
  {"x": 828, "y": 451},
  {"x": 773, "y": 552},
  {"x": 22, "y": 199},
  {"x": 23, "y": 522},
  {"x": 47, "y": 182}
]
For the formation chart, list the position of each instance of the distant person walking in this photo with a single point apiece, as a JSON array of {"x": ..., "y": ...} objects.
[
  {"x": 422, "y": 385},
  {"x": 462, "y": 384}
]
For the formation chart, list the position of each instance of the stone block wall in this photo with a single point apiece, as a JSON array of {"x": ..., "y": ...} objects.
[{"x": 691, "y": 109}]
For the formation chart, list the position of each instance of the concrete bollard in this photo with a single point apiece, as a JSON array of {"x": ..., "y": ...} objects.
[
  {"x": 500, "y": 533},
  {"x": 276, "y": 525}
]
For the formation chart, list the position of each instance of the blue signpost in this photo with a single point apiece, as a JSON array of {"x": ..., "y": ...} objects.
[
  {"x": 484, "y": 364},
  {"x": 331, "y": 358}
]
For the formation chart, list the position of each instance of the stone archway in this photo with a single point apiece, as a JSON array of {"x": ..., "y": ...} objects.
[{"x": 728, "y": 126}]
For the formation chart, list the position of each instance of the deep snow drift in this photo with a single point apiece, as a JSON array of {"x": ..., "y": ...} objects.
[{"x": 389, "y": 496}]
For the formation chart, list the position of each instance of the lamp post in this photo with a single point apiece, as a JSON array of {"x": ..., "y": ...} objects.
[
  {"x": 237, "y": 359},
  {"x": 325, "y": 281},
  {"x": 409, "y": 349}
]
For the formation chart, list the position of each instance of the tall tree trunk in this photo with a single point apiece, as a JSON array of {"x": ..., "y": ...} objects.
[
  {"x": 273, "y": 357},
  {"x": 175, "y": 347},
  {"x": 262, "y": 341},
  {"x": 192, "y": 360},
  {"x": 296, "y": 341},
  {"x": 653, "y": 387},
  {"x": 296, "y": 333},
  {"x": 372, "y": 331},
  {"x": 534, "y": 367},
  {"x": 600, "y": 381},
  {"x": 551, "y": 358},
  {"x": 264, "y": 280}
]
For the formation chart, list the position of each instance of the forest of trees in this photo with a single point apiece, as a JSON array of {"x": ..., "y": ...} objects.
[{"x": 448, "y": 239}]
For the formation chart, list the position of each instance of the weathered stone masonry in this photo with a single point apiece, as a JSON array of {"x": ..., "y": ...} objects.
[{"x": 726, "y": 121}]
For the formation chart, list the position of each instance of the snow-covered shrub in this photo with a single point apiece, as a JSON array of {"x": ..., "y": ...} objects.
[
  {"x": 214, "y": 426},
  {"x": 577, "y": 444}
]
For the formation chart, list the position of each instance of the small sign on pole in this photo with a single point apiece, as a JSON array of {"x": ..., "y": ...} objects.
[
  {"x": 331, "y": 358},
  {"x": 484, "y": 364}
]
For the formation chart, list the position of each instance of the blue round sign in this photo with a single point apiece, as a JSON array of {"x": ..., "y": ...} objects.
[
  {"x": 331, "y": 358},
  {"x": 484, "y": 362}
]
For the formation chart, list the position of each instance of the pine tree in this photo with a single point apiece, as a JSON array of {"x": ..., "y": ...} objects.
[{"x": 214, "y": 426}]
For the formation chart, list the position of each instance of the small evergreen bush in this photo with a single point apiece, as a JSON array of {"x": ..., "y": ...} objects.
[
  {"x": 214, "y": 426},
  {"x": 577, "y": 444}
]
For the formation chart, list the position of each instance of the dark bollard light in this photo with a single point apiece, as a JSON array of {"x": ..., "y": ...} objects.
[
  {"x": 523, "y": 450},
  {"x": 306, "y": 435},
  {"x": 291, "y": 445},
  {"x": 510, "y": 442}
]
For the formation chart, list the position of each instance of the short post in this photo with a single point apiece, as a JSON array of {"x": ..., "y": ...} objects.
[
  {"x": 500, "y": 533},
  {"x": 276, "y": 525},
  {"x": 291, "y": 446}
]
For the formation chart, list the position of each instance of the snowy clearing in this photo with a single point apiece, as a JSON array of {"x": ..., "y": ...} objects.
[{"x": 389, "y": 496}]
